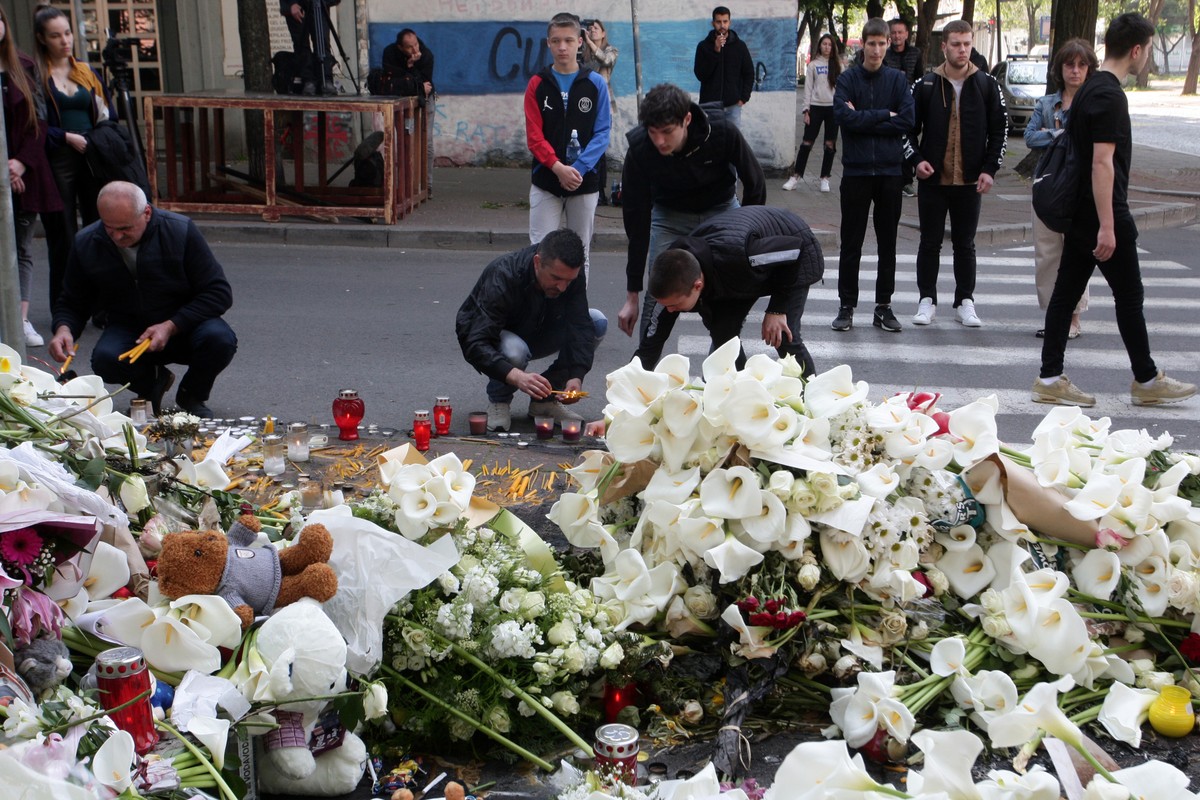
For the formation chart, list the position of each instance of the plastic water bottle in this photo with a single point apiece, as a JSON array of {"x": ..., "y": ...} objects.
[{"x": 573, "y": 148}]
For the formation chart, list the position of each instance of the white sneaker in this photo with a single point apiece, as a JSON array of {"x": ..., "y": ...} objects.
[
  {"x": 966, "y": 314},
  {"x": 499, "y": 417},
  {"x": 790, "y": 183},
  {"x": 825, "y": 185},
  {"x": 551, "y": 408},
  {"x": 925, "y": 311},
  {"x": 32, "y": 337}
]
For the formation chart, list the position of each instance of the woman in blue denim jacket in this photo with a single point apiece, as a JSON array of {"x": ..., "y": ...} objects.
[{"x": 1074, "y": 63}]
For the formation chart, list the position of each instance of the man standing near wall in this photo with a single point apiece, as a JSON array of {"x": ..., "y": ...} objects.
[
  {"x": 963, "y": 130},
  {"x": 724, "y": 67},
  {"x": 561, "y": 99}
]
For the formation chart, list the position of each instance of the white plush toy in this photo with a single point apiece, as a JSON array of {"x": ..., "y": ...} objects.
[{"x": 305, "y": 656}]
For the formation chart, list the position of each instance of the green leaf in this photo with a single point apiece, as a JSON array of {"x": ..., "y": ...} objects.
[{"x": 92, "y": 474}]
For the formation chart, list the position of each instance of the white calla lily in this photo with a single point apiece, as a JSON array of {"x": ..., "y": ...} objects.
[
  {"x": 172, "y": 646},
  {"x": 108, "y": 572},
  {"x": 113, "y": 762},
  {"x": 631, "y": 438},
  {"x": 732, "y": 559},
  {"x": 1124, "y": 711},
  {"x": 986, "y": 694},
  {"x": 845, "y": 556},
  {"x": 732, "y": 493},
  {"x": 947, "y": 657},
  {"x": 633, "y": 389},
  {"x": 1098, "y": 497},
  {"x": 1098, "y": 573},
  {"x": 960, "y": 537},
  {"x": 750, "y": 412},
  {"x": 672, "y": 487},
  {"x": 682, "y": 411},
  {"x": 1036, "y": 784},
  {"x": 722, "y": 361},
  {"x": 830, "y": 393},
  {"x": 1152, "y": 780},
  {"x": 674, "y": 450},
  {"x": 213, "y": 734},
  {"x": 579, "y": 519},
  {"x": 974, "y": 429},
  {"x": 698, "y": 535},
  {"x": 210, "y": 617},
  {"x": 935, "y": 454},
  {"x": 1037, "y": 710},
  {"x": 415, "y": 513},
  {"x": 750, "y": 637},
  {"x": 1061, "y": 640},
  {"x": 126, "y": 621},
  {"x": 891, "y": 415},
  {"x": 879, "y": 481},
  {"x": 819, "y": 770},
  {"x": 949, "y": 757},
  {"x": 589, "y": 472},
  {"x": 969, "y": 571},
  {"x": 769, "y": 525},
  {"x": 677, "y": 368}
]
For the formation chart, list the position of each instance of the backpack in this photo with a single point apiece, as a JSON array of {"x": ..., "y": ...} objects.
[
  {"x": 284, "y": 74},
  {"x": 1056, "y": 182},
  {"x": 111, "y": 155}
]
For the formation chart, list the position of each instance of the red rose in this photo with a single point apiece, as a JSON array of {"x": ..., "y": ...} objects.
[
  {"x": 923, "y": 579},
  {"x": 761, "y": 619},
  {"x": 749, "y": 604},
  {"x": 1190, "y": 647}
]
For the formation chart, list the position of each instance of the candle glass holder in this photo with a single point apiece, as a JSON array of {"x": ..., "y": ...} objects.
[
  {"x": 442, "y": 411},
  {"x": 544, "y": 426},
  {"x": 477, "y": 420},
  {"x": 121, "y": 676},
  {"x": 421, "y": 429},
  {"x": 297, "y": 441},
  {"x": 572, "y": 429},
  {"x": 274, "y": 451},
  {"x": 139, "y": 412},
  {"x": 348, "y": 411}
]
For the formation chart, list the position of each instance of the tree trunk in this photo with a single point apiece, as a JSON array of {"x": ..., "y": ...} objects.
[
  {"x": 1068, "y": 19},
  {"x": 255, "y": 38},
  {"x": 1031, "y": 17},
  {"x": 1152, "y": 13},
  {"x": 874, "y": 9},
  {"x": 1189, "y": 80},
  {"x": 928, "y": 17},
  {"x": 968, "y": 12}
]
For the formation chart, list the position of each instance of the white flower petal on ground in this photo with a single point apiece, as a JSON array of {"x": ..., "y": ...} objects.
[
  {"x": 1153, "y": 780},
  {"x": 731, "y": 493},
  {"x": 1124, "y": 711},
  {"x": 630, "y": 438},
  {"x": 969, "y": 571},
  {"x": 832, "y": 392},
  {"x": 947, "y": 657},
  {"x": 1036, "y": 784},
  {"x": 633, "y": 389},
  {"x": 1098, "y": 573},
  {"x": 732, "y": 559},
  {"x": 113, "y": 761},
  {"x": 213, "y": 734},
  {"x": 949, "y": 757}
]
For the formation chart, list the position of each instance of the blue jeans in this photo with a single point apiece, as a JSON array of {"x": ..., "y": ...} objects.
[
  {"x": 733, "y": 113},
  {"x": 519, "y": 353},
  {"x": 207, "y": 349},
  {"x": 667, "y": 225}
]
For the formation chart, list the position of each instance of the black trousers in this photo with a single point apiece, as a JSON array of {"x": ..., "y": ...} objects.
[
  {"x": 207, "y": 350},
  {"x": 818, "y": 116},
  {"x": 78, "y": 189},
  {"x": 962, "y": 203},
  {"x": 1124, "y": 276},
  {"x": 725, "y": 318},
  {"x": 858, "y": 194},
  {"x": 304, "y": 45}
]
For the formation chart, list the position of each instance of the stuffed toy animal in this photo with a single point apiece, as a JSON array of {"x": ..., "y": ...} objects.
[
  {"x": 253, "y": 580},
  {"x": 43, "y": 664},
  {"x": 305, "y": 657}
]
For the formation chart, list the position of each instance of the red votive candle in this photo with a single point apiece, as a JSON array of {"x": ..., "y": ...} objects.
[
  {"x": 544, "y": 427},
  {"x": 121, "y": 675},
  {"x": 478, "y": 422},
  {"x": 572, "y": 429},
  {"x": 421, "y": 429},
  {"x": 441, "y": 416}
]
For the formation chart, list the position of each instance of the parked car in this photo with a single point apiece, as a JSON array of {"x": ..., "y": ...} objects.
[{"x": 1023, "y": 81}]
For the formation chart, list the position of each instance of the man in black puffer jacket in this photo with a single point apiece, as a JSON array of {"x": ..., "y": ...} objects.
[
  {"x": 527, "y": 305},
  {"x": 874, "y": 109},
  {"x": 731, "y": 260},
  {"x": 154, "y": 275},
  {"x": 963, "y": 129}
]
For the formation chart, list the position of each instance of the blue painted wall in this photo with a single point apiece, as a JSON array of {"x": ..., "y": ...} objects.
[{"x": 499, "y": 57}]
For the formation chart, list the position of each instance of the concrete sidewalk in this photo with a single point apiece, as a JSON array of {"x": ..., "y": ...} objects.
[{"x": 487, "y": 209}]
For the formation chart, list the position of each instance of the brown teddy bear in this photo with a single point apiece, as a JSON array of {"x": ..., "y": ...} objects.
[{"x": 253, "y": 580}]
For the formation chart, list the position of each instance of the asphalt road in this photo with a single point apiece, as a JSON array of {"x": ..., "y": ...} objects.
[{"x": 312, "y": 320}]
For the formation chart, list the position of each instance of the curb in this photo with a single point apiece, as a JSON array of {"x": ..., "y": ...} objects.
[
  {"x": 304, "y": 234},
  {"x": 1164, "y": 215}
]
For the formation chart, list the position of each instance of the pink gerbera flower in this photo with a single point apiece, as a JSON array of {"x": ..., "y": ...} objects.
[{"x": 20, "y": 547}]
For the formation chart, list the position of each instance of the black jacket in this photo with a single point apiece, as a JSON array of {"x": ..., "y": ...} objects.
[
  {"x": 112, "y": 156},
  {"x": 983, "y": 124},
  {"x": 507, "y": 298},
  {"x": 409, "y": 81},
  {"x": 548, "y": 127},
  {"x": 725, "y": 77},
  {"x": 702, "y": 175},
  {"x": 872, "y": 139},
  {"x": 911, "y": 62},
  {"x": 178, "y": 278},
  {"x": 755, "y": 251}
]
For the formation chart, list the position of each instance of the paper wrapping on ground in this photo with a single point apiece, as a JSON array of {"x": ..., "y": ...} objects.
[
  {"x": 56, "y": 478},
  {"x": 375, "y": 569},
  {"x": 1041, "y": 509}
]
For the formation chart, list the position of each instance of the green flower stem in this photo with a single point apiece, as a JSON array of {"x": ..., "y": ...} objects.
[
  {"x": 1017, "y": 456},
  {"x": 94, "y": 717},
  {"x": 222, "y": 786},
  {"x": 474, "y": 723},
  {"x": 1062, "y": 543},
  {"x": 1186, "y": 666},
  {"x": 530, "y": 701}
]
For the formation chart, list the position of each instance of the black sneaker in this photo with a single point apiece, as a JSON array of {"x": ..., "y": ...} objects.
[
  {"x": 884, "y": 318},
  {"x": 162, "y": 382},
  {"x": 908, "y": 190},
  {"x": 844, "y": 320},
  {"x": 195, "y": 407}
]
